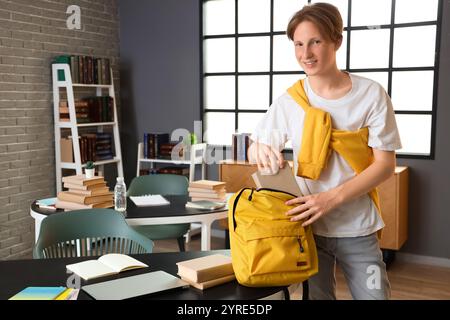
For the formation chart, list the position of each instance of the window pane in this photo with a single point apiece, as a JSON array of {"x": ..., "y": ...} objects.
[
  {"x": 369, "y": 48},
  {"x": 413, "y": 140},
  {"x": 254, "y": 54},
  {"x": 219, "y": 92},
  {"x": 280, "y": 83},
  {"x": 253, "y": 16},
  {"x": 342, "y": 6},
  {"x": 407, "y": 51},
  {"x": 253, "y": 92},
  {"x": 219, "y": 55},
  {"x": 371, "y": 12},
  {"x": 247, "y": 121},
  {"x": 415, "y": 10},
  {"x": 341, "y": 55},
  {"x": 284, "y": 54},
  {"x": 380, "y": 77},
  {"x": 219, "y": 127},
  {"x": 283, "y": 10},
  {"x": 218, "y": 17},
  {"x": 412, "y": 90}
]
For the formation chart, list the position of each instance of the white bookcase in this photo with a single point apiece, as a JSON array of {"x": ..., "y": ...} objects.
[
  {"x": 197, "y": 157},
  {"x": 73, "y": 125}
]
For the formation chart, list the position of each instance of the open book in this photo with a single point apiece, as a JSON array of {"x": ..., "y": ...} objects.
[
  {"x": 106, "y": 265},
  {"x": 284, "y": 180}
]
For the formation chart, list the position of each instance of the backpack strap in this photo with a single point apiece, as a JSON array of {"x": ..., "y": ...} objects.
[{"x": 235, "y": 205}]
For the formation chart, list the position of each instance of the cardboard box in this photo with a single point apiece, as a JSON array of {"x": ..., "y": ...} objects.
[{"x": 66, "y": 150}]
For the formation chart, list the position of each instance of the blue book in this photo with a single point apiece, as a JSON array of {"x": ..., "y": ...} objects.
[{"x": 38, "y": 293}]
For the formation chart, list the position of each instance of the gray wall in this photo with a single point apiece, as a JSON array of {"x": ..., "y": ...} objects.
[
  {"x": 31, "y": 34},
  {"x": 160, "y": 87},
  {"x": 429, "y": 196},
  {"x": 159, "y": 48}
]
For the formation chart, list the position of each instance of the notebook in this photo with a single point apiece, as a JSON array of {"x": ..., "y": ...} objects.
[
  {"x": 39, "y": 293},
  {"x": 150, "y": 200},
  {"x": 205, "y": 205},
  {"x": 134, "y": 286},
  {"x": 284, "y": 180}
]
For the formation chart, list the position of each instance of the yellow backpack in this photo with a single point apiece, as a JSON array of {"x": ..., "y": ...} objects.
[{"x": 267, "y": 249}]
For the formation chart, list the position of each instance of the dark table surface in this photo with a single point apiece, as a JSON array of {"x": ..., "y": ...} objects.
[
  {"x": 176, "y": 208},
  {"x": 15, "y": 275}
]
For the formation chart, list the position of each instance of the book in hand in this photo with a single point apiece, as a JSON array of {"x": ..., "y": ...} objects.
[
  {"x": 43, "y": 293},
  {"x": 284, "y": 180},
  {"x": 150, "y": 200},
  {"x": 205, "y": 268},
  {"x": 205, "y": 205},
  {"x": 106, "y": 265}
]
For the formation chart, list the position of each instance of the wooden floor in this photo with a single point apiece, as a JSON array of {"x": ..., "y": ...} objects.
[{"x": 408, "y": 281}]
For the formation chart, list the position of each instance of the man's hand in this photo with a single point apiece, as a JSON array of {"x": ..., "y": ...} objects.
[{"x": 313, "y": 207}]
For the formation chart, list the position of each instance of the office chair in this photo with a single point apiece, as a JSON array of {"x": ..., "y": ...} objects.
[
  {"x": 163, "y": 184},
  {"x": 88, "y": 232}
]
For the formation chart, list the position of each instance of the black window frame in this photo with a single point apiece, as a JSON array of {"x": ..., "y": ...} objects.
[{"x": 392, "y": 26}]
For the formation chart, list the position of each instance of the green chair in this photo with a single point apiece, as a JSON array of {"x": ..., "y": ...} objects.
[
  {"x": 163, "y": 184},
  {"x": 88, "y": 232}
]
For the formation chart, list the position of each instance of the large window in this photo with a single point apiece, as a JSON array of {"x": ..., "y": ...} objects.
[{"x": 248, "y": 61}]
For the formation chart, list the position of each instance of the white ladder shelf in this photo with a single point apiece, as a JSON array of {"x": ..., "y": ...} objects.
[{"x": 73, "y": 125}]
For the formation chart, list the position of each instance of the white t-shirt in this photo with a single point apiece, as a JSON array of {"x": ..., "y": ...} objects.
[{"x": 366, "y": 105}]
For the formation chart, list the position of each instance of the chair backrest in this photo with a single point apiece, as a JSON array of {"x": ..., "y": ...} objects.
[
  {"x": 164, "y": 184},
  {"x": 89, "y": 232}
]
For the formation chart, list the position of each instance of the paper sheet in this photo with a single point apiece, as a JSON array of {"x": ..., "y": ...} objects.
[{"x": 150, "y": 200}]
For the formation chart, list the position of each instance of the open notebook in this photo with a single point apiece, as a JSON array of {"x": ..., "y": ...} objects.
[{"x": 150, "y": 200}]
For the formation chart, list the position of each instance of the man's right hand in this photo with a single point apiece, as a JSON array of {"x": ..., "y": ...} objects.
[{"x": 266, "y": 157}]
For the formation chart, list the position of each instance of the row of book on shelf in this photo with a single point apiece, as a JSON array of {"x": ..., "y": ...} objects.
[
  {"x": 96, "y": 146},
  {"x": 85, "y": 69},
  {"x": 184, "y": 171},
  {"x": 159, "y": 146},
  {"x": 89, "y": 110},
  {"x": 239, "y": 146}
]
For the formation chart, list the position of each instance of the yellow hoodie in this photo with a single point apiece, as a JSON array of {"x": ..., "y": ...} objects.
[{"x": 319, "y": 139}]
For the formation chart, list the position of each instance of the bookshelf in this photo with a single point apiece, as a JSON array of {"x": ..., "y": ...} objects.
[
  {"x": 73, "y": 125},
  {"x": 197, "y": 156}
]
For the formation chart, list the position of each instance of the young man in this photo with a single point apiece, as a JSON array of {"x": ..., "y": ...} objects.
[{"x": 344, "y": 134}]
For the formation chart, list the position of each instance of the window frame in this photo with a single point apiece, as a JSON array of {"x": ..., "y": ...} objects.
[{"x": 392, "y": 26}]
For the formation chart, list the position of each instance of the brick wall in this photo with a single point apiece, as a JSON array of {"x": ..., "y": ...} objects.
[{"x": 32, "y": 32}]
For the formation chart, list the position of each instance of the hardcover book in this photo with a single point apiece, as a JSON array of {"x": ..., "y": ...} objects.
[
  {"x": 205, "y": 268},
  {"x": 284, "y": 180}
]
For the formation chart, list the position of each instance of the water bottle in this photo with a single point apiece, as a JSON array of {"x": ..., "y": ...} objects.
[{"x": 120, "y": 196}]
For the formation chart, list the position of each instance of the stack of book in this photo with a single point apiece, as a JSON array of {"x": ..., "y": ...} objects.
[
  {"x": 84, "y": 193},
  {"x": 207, "y": 190},
  {"x": 206, "y": 272}
]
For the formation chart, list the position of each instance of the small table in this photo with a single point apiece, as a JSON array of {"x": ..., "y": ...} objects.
[
  {"x": 16, "y": 275},
  {"x": 174, "y": 213}
]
